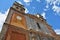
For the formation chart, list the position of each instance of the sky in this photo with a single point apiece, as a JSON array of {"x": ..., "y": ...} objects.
[{"x": 49, "y": 9}]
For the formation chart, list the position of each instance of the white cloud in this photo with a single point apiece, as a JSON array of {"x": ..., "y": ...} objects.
[
  {"x": 19, "y": 2},
  {"x": 26, "y": 10},
  {"x": 45, "y": 9},
  {"x": 55, "y": 8},
  {"x": 27, "y": 1},
  {"x": 57, "y": 31},
  {"x": 38, "y": 0},
  {"x": 44, "y": 15},
  {"x": 28, "y": 4},
  {"x": 47, "y": 6},
  {"x": 2, "y": 18},
  {"x": 50, "y": 1}
]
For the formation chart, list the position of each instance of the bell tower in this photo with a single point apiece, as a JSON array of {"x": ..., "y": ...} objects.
[
  {"x": 16, "y": 15},
  {"x": 18, "y": 7}
]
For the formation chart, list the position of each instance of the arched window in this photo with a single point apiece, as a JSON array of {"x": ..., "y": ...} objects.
[{"x": 38, "y": 26}]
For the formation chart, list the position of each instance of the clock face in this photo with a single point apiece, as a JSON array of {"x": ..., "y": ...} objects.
[{"x": 19, "y": 18}]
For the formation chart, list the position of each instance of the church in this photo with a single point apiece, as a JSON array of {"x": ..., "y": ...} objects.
[{"x": 21, "y": 26}]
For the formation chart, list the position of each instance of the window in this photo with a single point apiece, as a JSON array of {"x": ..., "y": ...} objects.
[
  {"x": 44, "y": 38},
  {"x": 38, "y": 26},
  {"x": 34, "y": 36},
  {"x": 51, "y": 38},
  {"x": 17, "y": 7},
  {"x": 38, "y": 37}
]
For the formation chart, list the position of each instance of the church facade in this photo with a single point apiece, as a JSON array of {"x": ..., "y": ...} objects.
[{"x": 22, "y": 26}]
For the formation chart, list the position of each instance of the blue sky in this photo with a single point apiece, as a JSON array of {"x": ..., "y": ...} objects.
[{"x": 49, "y": 9}]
